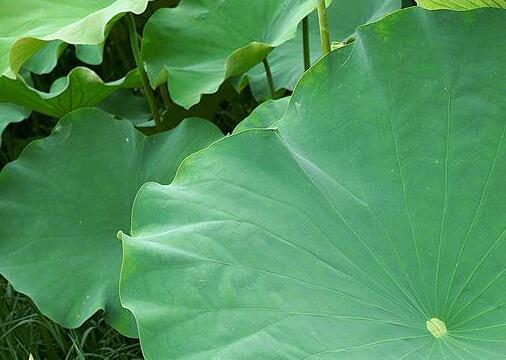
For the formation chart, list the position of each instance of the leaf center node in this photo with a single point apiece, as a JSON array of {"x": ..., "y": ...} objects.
[{"x": 436, "y": 327}]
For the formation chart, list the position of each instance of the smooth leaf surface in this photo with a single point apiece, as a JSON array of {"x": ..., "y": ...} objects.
[
  {"x": 374, "y": 213},
  {"x": 28, "y": 24},
  {"x": 64, "y": 200},
  {"x": 286, "y": 61},
  {"x": 90, "y": 54},
  {"x": 81, "y": 88},
  {"x": 10, "y": 113},
  {"x": 200, "y": 43},
  {"x": 264, "y": 115},
  {"x": 460, "y": 4}
]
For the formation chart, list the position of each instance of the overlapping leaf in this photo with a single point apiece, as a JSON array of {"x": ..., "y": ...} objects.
[
  {"x": 81, "y": 88},
  {"x": 46, "y": 58},
  {"x": 123, "y": 104},
  {"x": 286, "y": 61},
  {"x": 64, "y": 200},
  {"x": 10, "y": 113},
  {"x": 27, "y": 24},
  {"x": 376, "y": 205},
  {"x": 264, "y": 115},
  {"x": 202, "y": 42},
  {"x": 90, "y": 54},
  {"x": 461, "y": 4}
]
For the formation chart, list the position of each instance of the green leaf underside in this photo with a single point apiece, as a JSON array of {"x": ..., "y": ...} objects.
[
  {"x": 64, "y": 200},
  {"x": 81, "y": 88},
  {"x": 90, "y": 54},
  {"x": 264, "y": 115},
  {"x": 227, "y": 38},
  {"x": 460, "y": 4},
  {"x": 46, "y": 58},
  {"x": 26, "y": 24},
  {"x": 377, "y": 205},
  {"x": 10, "y": 113},
  {"x": 286, "y": 61}
]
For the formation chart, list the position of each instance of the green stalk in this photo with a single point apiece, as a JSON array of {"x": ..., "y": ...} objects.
[
  {"x": 270, "y": 80},
  {"x": 324, "y": 27},
  {"x": 150, "y": 95},
  {"x": 305, "y": 43},
  {"x": 165, "y": 96}
]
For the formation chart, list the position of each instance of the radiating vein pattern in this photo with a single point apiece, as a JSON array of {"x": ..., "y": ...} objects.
[{"x": 376, "y": 205}]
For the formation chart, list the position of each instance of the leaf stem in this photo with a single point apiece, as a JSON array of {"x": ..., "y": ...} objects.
[
  {"x": 305, "y": 43},
  {"x": 270, "y": 80},
  {"x": 324, "y": 27},
  {"x": 150, "y": 95},
  {"x": 165, "y": 96}
]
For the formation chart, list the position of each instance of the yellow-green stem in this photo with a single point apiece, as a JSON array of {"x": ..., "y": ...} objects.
[
  {"x": 165, "y": 96},
  {"x": 324, "y": 27},
  {"x": 270, "y": 80}
]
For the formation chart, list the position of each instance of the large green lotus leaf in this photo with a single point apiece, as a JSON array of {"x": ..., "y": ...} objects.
[
  {"x": 286, "y": 61},
  {"x": 460, "y": 4},
  {"x": 10, "y": 113},
  {"x": 27, "y": 24},
  {"x": 64, "y": 200},
  {"x": 264, "y": 115},
  {"x": 376, "y": 206},
  {"x": 200, "y": 43},
  {"x": 81, "y": 88}
]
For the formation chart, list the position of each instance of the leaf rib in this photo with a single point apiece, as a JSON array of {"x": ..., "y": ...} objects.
[
  {"x": 473, "y": 223},
  {"x": 294, "y": 155}
]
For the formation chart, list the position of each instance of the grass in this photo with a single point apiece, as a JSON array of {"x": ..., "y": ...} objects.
[{"x": 24, "y": 331}]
